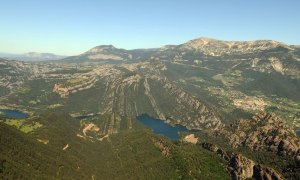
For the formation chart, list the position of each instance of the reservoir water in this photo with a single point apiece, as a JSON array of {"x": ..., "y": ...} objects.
[
  {"x": 159, "y": 127},
  {"x": 298, "y": 132},
  {"x": 13, "y": 113}
]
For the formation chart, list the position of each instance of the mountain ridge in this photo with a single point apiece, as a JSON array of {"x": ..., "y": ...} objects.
[
  {"x": 202, "y": 46},
  {"x": 208, "y": 46},
  {"x": 203, "y": 38},
  {"x": 32, "y": 56},
  {"x": 214, "y": 95}
]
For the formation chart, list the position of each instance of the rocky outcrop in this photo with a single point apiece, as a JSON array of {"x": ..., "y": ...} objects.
[
  {"x": 204, "y": 118},
  {"x": 131, "y": 90},
  {"x": 215, "y": 47},
  {"x": 61, "y": 90},
  {"x": 250, "y": 103},
  {"x": 242, "y": 167},
  {"x": 101, "y": 53},
  {"x": 261, "y": 173},
  {"x": 152, "y": 100},
  {"x": 64, "y": 91},
  {"x": 265, "y": 131},
  {"x": 164, "y": 149},
  {"x": 211, "y": 147},
  {"x": 277, "y": 65}
]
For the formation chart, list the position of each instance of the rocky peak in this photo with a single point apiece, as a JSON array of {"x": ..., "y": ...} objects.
[
  {"x": 106, "y": 52},
  {"x": 242, "y": 167},
  {"x": 265, "y": 131},
  {"x": 204, "y": 41},
  {"x": 101, "y": 49},
  {"x": 217, "y": 47}
]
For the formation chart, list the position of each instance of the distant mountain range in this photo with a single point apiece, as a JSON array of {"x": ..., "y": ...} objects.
[
  {"x": 241, "y": 99},
  {"x": 32, "y": 56},
  {"x": 201, "y": 47}
]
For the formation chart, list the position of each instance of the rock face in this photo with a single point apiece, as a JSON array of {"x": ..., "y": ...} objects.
[
  {"x": 250, "y": 103},
  {"x": 101, "y": 53},
  {"x": 203, "y": 119},
  {"x": 265, "y": 131},
  {"x": 165, "y": 150},
  {"x": 138, "y": 88},
  {"x": 106, "y": 52},
  {"x": 64, "y": 91},
  {"x": 261, "y": 172},
  {"x": 242, "y": 167},
  {"x": 215, "y": 47},
  {"x": 61, "y": 90},
  {"x": 277, "y": 65},
  {"x": 200, "y": 46}
]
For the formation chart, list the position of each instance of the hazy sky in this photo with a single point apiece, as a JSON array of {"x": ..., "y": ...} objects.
[{"x": 70, "y": 27}]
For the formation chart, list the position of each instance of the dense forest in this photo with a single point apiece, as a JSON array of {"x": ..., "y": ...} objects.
[{"x": 138, "y": 154}]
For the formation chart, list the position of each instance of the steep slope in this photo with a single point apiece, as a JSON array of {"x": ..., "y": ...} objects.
[
  {"x": 54, "y": 151},
  {"x": 101, "y": 53},
  {"x": 134, "y": 89},
  {"x": 258, "y": 73},
  {"x": 208, "y": 85},
  {"x": 265, "y": 132},
  {"x": 215, "y": 47},
  {"x": 260, "y": 55}
]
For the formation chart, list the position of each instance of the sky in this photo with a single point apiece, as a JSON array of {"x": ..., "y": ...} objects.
[{"x": 71, "y": 27}]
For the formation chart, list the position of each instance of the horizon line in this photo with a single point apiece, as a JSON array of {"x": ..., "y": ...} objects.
[{"x": 202, "y": 37}]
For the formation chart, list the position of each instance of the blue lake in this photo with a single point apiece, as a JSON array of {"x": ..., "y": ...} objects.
[
  {"x": 159, "y": 127},
  {"x": 13, "y": 113}
]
